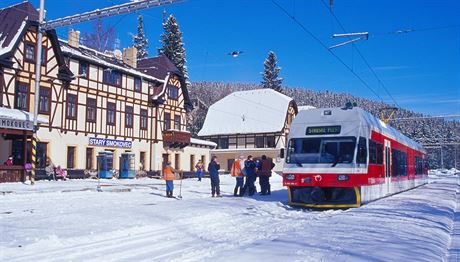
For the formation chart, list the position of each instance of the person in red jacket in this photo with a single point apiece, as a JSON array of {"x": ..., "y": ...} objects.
[
  {"x": 9, "y": 161},
  {"x": 169, "y": 177},
  {"x": 265, "y": 172}
]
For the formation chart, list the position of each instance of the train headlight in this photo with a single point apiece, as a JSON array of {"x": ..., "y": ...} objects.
[
  {"x": 290, "y": 177},
  {"x": 343, "y": 177}
]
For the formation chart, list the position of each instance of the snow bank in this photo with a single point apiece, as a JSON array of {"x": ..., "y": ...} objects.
[{"x": 132, "y": 221}]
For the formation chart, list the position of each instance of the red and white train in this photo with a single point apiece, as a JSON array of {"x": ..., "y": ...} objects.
[{"x": 341, "y": 158}]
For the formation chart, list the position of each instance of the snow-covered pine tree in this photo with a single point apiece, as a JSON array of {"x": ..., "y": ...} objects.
[
  {"x": 173, "y": 46},
  {"x": 140, "y": 41},
  {"x": 271, "y": 72}
]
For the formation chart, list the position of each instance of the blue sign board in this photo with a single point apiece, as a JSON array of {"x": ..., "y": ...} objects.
[{"x": 104, "y": 142}]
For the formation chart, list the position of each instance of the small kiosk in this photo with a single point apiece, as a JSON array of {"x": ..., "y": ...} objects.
[
  {"x": 105, "y": 164},
  {"x": 127, "y": 165}
]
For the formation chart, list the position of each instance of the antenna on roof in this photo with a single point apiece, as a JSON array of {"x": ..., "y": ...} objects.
[{"x": 387, "y": 113}]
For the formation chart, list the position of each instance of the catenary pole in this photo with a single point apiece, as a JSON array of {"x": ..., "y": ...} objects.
[{"x": 38, "y": 62}]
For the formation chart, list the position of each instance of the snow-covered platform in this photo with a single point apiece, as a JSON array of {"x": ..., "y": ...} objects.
[{"x": 130, "y": 220}]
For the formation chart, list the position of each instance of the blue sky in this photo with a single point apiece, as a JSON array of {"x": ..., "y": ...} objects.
[{"x": 420, "y": 69}]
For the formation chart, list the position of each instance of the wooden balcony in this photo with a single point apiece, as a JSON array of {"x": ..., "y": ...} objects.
[{"x": 176, "y": 138}]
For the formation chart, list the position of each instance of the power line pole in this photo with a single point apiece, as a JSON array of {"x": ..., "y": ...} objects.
[{"x": 38, "y": 67}]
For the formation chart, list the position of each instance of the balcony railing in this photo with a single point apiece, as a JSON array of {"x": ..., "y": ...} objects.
[
  {"x": 176, "y": 138},
  {"x": 11, "y": 173}
]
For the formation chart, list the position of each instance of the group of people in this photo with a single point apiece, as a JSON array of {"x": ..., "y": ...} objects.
[{"x": 245, "y": 172}]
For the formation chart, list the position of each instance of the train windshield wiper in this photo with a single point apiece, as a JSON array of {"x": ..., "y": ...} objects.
[{"x": 337, "y": 159}]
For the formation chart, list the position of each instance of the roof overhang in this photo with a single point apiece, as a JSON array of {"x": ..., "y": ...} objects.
[{"x": 18, "y": 119}]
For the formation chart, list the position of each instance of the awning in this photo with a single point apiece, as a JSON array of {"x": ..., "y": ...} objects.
[{"x": 18, "y": 119}]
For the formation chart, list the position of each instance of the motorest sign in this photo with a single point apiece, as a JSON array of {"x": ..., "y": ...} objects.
[
  {"x": 109, "y": 142},
  {"x": 16, "y": 124}
]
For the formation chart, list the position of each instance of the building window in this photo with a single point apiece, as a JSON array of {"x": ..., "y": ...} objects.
[
  {"x": 143, "y": 119},
  {"x": 91, "y": 110},
  {"x": 30, "y": 52},
  {"x": 70, "y": 157},
  {"x": 129, "y": 117},
  {"x": 137, "y": 84},
  {"x": 167, "y": 124},
  {"x": 271, "y": 141},
  {"x": 22, "y": 96},
  {"x": 112, "y": 77},
  {"x": 71, "y": 107},
  {"x": 173, "y": 92},
  {"x": 111, "y": 112},
  {"x": 83, "y": 70},
  {"x": 223, "y": 143},
  {"x": 142, "y": 161},
  {"x": 260, "y": 142},
  {"x": 44, "y": 103},
  {"x": 89, "y": 158},
  {"x": 177, "y": 122}
]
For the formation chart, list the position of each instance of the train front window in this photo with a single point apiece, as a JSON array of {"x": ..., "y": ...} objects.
[{"x": 328, "y": 150}]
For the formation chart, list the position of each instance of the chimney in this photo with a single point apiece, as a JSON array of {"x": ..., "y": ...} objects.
[
  {"x": 74, "y": 38},
  {"x": 130, "y": 56}
]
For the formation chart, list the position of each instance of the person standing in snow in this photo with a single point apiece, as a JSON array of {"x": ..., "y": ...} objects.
[
  {"x": 199, "y": 169},
  {"x": 250, "y": 167},
  {"x": 169, "y": 177},
  {"x": 237, "y": 172},
  {"x": 265, "y": 172},
  {"x": 213, "y": 169}
]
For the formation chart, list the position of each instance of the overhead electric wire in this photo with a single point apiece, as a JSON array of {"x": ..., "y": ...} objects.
[
  {"x": 327, "y": 49},
  {"x": 362, "y": 56}
]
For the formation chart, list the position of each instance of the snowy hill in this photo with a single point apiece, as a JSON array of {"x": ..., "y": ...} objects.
[{"x": 132, "y": 221}]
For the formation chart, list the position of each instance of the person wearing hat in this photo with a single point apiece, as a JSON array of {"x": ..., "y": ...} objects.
[
  {"x": 169, "y": 177},
  {"x": 9, "y": 162},
  {"x": 213, "y": 169}
]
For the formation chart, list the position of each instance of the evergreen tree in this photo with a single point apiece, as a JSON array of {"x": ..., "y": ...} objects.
[
  {"x": 173, "y": 46},
  {"x": 271, "y": 73},
  {"x": 140, "y": 41}
]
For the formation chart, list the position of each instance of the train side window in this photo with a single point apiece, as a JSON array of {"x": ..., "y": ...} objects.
[
  {"x": 399, "y": 163},
  {"x": 372, "y": 152},
  {"x": 362, "y": 151},
  {"x": 379, "y": 148},
  {"x": 418, "y": 165}
]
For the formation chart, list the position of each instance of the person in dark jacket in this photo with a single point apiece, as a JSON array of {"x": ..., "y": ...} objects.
[
  {"x": 250, "y": 167},
  {"x": 265, "y": 172},
  {"x": 213, "y": 169}
]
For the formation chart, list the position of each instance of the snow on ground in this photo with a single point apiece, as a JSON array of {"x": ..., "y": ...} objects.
[{"x": 132, "y": 221}]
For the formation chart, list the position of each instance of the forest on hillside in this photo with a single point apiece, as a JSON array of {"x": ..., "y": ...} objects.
[{"x": 434, "y": 133}]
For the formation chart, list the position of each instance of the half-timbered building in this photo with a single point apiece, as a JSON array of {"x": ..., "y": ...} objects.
[
  {"x": 254, "y": 122},
  {"x": 92, "y": 101}
]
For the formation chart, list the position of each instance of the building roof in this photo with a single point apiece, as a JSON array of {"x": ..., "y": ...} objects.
[
  {"x": 13, "y": 23},
  {"x": 102, "y": 59},
  {"x": 247, "y": 112},
  {"x": 16, "y": 114},
  {"x": 203, "y": 142}
]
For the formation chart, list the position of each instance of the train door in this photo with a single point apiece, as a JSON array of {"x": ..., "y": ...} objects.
[{"x": 387, "y": 166}]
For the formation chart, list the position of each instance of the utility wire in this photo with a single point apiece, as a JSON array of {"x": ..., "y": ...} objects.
[
  {"x": 326, "y": 47},
  {"x": 362, "y": 56}
]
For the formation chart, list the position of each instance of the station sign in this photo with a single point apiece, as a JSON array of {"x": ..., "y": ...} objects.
[
  {"x": 16, "y": 124},
  {"x": 104, "y": 142}
]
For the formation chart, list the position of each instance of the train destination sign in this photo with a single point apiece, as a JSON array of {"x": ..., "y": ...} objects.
[
  {"x": 103, "y": 142},
  {"x": 323, "y": 130}
]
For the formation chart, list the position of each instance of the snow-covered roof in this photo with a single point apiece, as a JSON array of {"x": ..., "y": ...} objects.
[
  {"x": 247, "y": 112},
  {"x": 300, "y": 108},
  {"x": 102, "y": 59},
  {"x": 16, "y": 114},
  {"x": 202, "y": 142}
]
